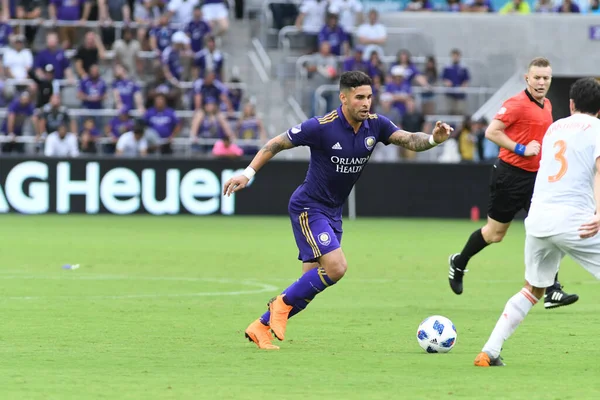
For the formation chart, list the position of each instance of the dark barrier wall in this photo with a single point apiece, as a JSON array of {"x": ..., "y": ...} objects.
[{"x": 174, "y": 186}]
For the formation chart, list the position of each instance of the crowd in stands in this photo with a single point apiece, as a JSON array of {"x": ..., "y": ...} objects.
[
  {"x": 339, "y": 40},
  {"x": 342, "y": 35},
  {"x": 285, "y": 13},
  {"x": 165, "y": 60},
  {"x": 510, "y": 7}
]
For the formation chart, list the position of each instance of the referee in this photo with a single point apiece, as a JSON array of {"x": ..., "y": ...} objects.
[{"x": 518, "y": 128}]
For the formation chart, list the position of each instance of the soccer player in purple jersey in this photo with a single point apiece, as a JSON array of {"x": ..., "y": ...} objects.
[{"x": 341, "y": 144}]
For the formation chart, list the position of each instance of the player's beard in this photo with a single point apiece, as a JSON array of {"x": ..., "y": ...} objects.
[{"x": 361, "y": 115}]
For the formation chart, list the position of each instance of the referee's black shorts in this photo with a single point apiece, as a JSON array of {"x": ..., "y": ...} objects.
[{"x": 511, "y": 189}]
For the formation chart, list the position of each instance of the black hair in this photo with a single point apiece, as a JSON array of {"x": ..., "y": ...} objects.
[
  {"x": 139, "y": 126},
  {"x": 585, "y": 93},
  {"x": 354, "y": 79}
]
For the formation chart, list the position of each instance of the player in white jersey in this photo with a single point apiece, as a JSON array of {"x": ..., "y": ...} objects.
[{"x": 564, "y": 218}]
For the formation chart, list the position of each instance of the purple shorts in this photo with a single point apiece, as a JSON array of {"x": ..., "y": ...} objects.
[{"x": 316, "y": 234}]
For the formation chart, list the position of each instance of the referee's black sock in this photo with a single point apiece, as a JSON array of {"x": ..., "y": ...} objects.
[
  {"x": 554, "y": 287},
  {"x": 474, "y": 245}
]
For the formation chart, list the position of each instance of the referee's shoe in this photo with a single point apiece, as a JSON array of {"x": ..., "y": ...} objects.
[
  {"x": 455, "y": 275},
  {"x": 556, "y": 297}
]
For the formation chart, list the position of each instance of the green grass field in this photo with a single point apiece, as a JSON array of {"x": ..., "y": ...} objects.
[{"x": 158, "y": 308}]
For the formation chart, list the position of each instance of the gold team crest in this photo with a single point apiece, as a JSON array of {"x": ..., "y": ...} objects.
[{"x": 370, "y": 142}]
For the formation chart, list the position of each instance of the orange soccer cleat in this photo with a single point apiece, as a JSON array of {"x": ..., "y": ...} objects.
[
  {"x": 483, "y": 359},
  {"x": 279, "y": 316},
  {"x": 260, "y": 335}
]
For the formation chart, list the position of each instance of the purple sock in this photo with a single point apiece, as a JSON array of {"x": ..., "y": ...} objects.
[{"x": 301, "y": 292}]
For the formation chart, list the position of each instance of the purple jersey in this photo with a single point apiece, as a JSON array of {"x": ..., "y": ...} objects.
[
  {"x": 352, "y": 64},
  {"x": 68, "y": 10},
  {"x": 235, "y": 98},
  {"x": 57, "y": 58},
  {"x": 21, "y": 113},
  {"x": 335, "y": 37},
  {"x": 197, "y": 31},
  {"x": 127, "y": 89},
  {"x": 209, "y": 92},
  {"x": 457, "y": 74},
  {"x": 402, "y": 88},
  {"x": 163, "y": 36},
  {"x": 204, "y": 60},
  {"x": 119, "y": 127},
  {"x": 163, "y": 122},
  {"x": 171, "y": 58},
  {"x": 210, "y": 129},
  {"x": 91, "y": 87},
  {"x": 5, "y": 31},
  {"x": 337, "y": 158},
  {"x": 248, "y": 129}
]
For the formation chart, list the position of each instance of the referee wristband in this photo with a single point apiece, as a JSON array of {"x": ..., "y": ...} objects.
[
  {"x": 520, "y": 149},
  {"x": 249, "y": 173},
  {"x": 432, "y": 142}
]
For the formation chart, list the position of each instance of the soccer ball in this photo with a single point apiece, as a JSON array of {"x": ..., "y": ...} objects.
[{"x": 436, "y": 334}]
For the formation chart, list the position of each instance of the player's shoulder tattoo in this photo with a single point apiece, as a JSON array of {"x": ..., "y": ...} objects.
[{"x": 278, "y": 143}]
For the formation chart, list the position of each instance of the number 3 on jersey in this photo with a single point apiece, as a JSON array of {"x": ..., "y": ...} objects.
[{"x": 559, "y": 156}]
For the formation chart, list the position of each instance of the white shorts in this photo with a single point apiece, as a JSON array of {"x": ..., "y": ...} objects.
[
  {"x": 211, "y": 12},
  {"x": 543, "y": 256}
]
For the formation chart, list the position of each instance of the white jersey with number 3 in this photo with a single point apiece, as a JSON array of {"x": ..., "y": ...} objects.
[{"x": 563, "y": 197}]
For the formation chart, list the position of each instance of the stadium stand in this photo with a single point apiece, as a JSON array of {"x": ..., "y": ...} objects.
[{"x": 280, "y": 61}]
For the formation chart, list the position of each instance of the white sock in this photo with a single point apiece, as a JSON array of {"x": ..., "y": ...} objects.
[{"x": 514, "y": 312}]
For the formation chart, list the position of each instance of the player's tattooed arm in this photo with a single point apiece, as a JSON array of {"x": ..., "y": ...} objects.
[
  {"x": 269, "y": 150},
  {"x": 278, "y": 143},
  {"x": 418, "y": 141}
]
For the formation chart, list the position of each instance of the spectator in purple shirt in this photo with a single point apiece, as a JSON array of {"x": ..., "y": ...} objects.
[
  {"x": 418, "y": 5},
  {"x": 210, "y": 88},
  {"x": 567, "y": 6},
  {"x": 172, "y": 58},
  {"x": 209, "y": 58},
  {"x": 356, "y": 62},
  {"x": 160, "y": 36},
  {"x": 19, "y": 110},
  {"x": 399, "y": 87},
  {"x": 235, "y": 95},
  {"x": 376, "y": 66},
  {"x": 333, "y": 33},
  {"x": 126, "y": 92},
  {"x": 92, "y": 93},
  {"x": 117, "y": 126},
  {"x": 120, "y": 124},
  {"x": 197, "y": 29},
  {"x": 55, "y": 56},
  {"x": 456, "y": 76},
  {"x": 69, "y": 10},
  {"x": 164, "y": 122}
]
